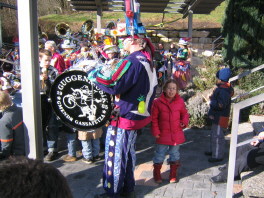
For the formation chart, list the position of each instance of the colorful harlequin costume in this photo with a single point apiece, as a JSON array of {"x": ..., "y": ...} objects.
[
  {"x": 182, "y": 73},
  {"x": 133, "y": 81},
  {"x": 181, "y": 69}
]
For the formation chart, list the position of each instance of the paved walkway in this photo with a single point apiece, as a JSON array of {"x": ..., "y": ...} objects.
[{"x": 85, "y": 180}]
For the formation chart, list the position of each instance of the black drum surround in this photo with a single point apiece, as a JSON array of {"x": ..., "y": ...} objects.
[{"x": 78, "y": 102}]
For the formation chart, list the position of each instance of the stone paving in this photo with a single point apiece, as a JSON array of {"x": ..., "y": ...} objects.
[{"x": 194, "y": 173}]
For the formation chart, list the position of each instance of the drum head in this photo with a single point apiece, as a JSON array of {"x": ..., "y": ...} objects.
[{"x": 78, "y": 102}]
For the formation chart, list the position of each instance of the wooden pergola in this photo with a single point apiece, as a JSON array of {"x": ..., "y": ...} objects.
[
  {"x": 150, "y": 6},
  {"x": 184, "y": 7}
]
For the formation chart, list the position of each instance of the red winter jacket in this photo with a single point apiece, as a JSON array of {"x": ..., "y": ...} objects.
[{"x": 166, "y": 119}]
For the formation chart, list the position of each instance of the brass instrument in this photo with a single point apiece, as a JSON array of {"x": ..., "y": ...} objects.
[
  {"x": 63, "y": 30},
  {"x": 87, "y": 29},
  {"x": 111, "y": 25},
  {"x": 43, "y": 37}
]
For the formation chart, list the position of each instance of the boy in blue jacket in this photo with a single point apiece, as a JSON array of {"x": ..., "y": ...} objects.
[{"x": 220, "y": 104}]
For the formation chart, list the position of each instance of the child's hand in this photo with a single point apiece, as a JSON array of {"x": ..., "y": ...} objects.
[
  {"x": 182, "y": 125},
  {"x": 254, "y": 143},
  {"x": 157, "y": 136},
  {"x": 44, "y": 76}
]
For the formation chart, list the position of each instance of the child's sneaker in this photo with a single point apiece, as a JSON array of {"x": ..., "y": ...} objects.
[{"x": 87, "y": 161}]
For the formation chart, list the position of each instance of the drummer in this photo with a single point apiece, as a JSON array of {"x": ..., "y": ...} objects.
[{"x": 133, "y": 80}]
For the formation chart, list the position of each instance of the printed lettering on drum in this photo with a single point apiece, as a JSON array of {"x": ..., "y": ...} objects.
[{"x": 78, "y": 102}]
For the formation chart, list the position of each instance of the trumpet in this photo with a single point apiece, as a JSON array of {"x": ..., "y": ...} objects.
[{"x": 63, "y": 30}]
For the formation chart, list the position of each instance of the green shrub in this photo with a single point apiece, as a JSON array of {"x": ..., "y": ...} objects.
[
  {"x": 243, "y": 33},
  {"x": 252, "y": 81},
  {"x": 249, "y": 83},
  {"x": 206, "y": 78}
]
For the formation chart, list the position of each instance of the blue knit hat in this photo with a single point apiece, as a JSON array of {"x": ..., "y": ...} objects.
[{"x": 224, "y": 74}]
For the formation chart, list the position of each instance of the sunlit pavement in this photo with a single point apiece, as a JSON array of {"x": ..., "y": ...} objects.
[{"x": 85, "y": 180}]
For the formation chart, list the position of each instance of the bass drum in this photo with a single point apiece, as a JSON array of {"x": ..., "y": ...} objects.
[{"x": 78, "y": 102}]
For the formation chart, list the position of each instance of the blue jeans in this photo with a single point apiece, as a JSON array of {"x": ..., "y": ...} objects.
[
  {"x": 90, "y": 148},
  {"x": 161, "y": 150},
  {"x": 52, "y": 133},
  {"x": 17, "y": 99},
  {"x": 71, "y": 144}
]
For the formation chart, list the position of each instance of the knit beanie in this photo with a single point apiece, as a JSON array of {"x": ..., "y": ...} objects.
[{"x": 224, "y": 74}]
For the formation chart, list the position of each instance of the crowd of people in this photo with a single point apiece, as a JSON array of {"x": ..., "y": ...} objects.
[{"x": 129, "y": 72}]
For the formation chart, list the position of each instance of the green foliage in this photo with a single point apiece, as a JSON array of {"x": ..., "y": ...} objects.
[
  {"x": 81, "y": 17},
  {"x": 257, "y": 109},
  {"x": 249, "y": 83},
  {"x": 252, "y": 81},
  {"x": 206, "y": 78},
  {"x": 75, "y": 17},
  {"x": 243, "y": 32}
]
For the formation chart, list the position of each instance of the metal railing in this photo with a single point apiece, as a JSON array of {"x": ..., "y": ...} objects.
[
  {"x": 213, "y": 43},
  {"x": 243, "y": 75},
  {"x": 233, "y": 144},
  {"x": 234, "y": 131},
  {"x": 246, "y": 73}
]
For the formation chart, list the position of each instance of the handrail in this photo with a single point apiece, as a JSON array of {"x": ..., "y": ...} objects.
[
  {"x": 213, "y": 43},
  {"x": 233, "y": 145},
  {"x": 235, "y": 122},
  {"x": 247, "y": 93},
  {"x": 246, "y": 73}
]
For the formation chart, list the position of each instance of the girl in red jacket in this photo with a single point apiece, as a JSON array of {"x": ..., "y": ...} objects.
[{"x": 169, "y": 117}]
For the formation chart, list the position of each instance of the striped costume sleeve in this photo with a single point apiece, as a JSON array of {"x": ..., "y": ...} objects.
[{"x": 110, "y": 80}]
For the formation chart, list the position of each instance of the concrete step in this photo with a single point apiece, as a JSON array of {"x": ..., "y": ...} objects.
[
  {"x": 245, "y": 132},
  {"x": 257, "y": 123},
  {"x": 252, "y": 182}
]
